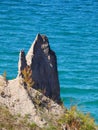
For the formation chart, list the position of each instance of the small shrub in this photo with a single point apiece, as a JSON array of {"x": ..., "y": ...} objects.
[
  {"x": 27, "y": 77},
  {"x": 76, "y": 119},
  {"x": 32, "y": 125},
  {"x": 5, "y": 75},
  {"x": 51, "y": 127},
  {"x": 4, "y": 81}
]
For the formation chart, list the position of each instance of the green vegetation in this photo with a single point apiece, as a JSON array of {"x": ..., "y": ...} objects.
[
  {"x": 10, "y": 122},
  {"x": 33, "y": 126},
  {"x": 76, "y": 119},
  {"x": 5, "y": 75},
  {"x": 51, "y": 127},
  {"x": 72, "y": 119},
  {"x": 4, "y": 81}
]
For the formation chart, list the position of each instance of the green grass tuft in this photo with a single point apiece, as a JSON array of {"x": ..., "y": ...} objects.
[{"x": 76, "y": 119}]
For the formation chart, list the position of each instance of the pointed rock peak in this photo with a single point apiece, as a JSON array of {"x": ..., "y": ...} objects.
[
  {"x": 39, "y": 38},
  {"x": 22, "y": 62},
  {"x": 36, "y": 44},
  {"x": 40, "y": 44},
  {"x": 43, "y": 63},
  {"x": 22, "y": 54},
  {"x": 30, "y": 53},
  {"x": 42, "y": 39}
]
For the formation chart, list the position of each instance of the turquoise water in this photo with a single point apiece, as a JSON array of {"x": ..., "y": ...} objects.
[{"x": 72, "y": 29}]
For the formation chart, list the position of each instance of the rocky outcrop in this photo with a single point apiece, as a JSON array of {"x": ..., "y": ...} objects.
[
  {"x": 38, "y": 66},
  {"x": 43, "y": 63},
  {"x": 22, "y": 62},
  {"x": 31, "y": 104},
  {"x": 32, "y": 107}
]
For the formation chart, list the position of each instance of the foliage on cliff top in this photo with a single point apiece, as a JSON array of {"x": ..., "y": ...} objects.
[
  {"x": 77, "y": 120},
  {"x": 71, "y": 120},
  {"x": 14, "y": 122}
]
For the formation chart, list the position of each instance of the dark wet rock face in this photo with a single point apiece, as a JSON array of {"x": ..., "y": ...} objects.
[{"x": 43, "y": 63}]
